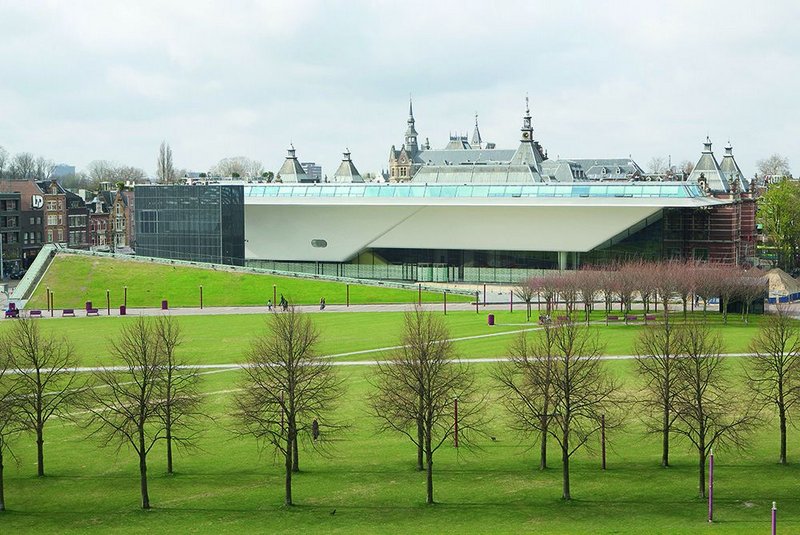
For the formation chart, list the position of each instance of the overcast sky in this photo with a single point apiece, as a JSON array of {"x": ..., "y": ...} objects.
[{"x": 109, "y": 80}]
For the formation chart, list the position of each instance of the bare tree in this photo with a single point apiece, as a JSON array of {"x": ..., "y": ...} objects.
[
  {"x": 657, "y": 165},
  {"x": 527, "y": 383},
  {"x": 582, "y": 392},
  {"x": 656, "y": 354},
  {"x": 43, "y": 168},
  {"x": 98, "y": 171},
  {"x": 774, "y": 166},
  {"x": 126, "y": 407},
  {"x": 238, "y": 166},
  {"x": 3, "y": 161},
  {"x": 416, "y": 389},
  {"x": 525, "y": 291},
  {"x": 590, "y": 283},
  {"x": 774, "y": 372},
  {"x": 687, "y": 166},
  {"x": 10, "y": 422},
  {"x": 288, "y": 392},
  {"x": 128, "y": 173},
  {"x": 707, "y": 410},
  {"x": 165, "y": 169},
  {"x": 181, "y": 401},
  {"x": 43, "y": 365},
  {"x": 22, "y": 166}
]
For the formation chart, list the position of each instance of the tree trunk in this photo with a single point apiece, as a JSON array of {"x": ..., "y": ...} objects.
[
  {"x": 565, "y": 495},
  {"x": 702, "y": 467},
  {"x": 543, "y": 453},
  {"x": 665, "y": 439},
  {"x": 420, "y": 439},
  {"x": 288, "y": 466},
  {"x": 40, "y": 450},
  {"x": 2, "y": 494},
  {"x": 782, "y": 414},
  {"x": 429, "y": 467},
  {"x": 143, "y": 476},
  {"x": 169, "y": 446},
  {"x": 295, "y": 454}
]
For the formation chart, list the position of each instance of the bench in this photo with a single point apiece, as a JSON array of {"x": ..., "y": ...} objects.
[
  {"x": 13, "y": 313},
  {"x": 631, "y": 317},
  {"x": 649, "y": 317},
  {"x": 35, "y": 314},
  {"x": 612, "y": 318},
  {"x": 92, "y": 312},
  {"x": 562, "y": 319},
  {"x": 68, "y": 312}
]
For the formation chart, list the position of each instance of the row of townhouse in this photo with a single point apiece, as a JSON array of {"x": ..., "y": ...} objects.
[{"x": 33, "y": 214}]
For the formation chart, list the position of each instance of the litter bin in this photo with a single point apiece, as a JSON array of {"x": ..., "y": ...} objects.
[
  {"x": 490, "y": 319},
  {"x": 164, "y": 305},
  {"x": 89, "y": 305},
  {"x": 123, "y": 310}
]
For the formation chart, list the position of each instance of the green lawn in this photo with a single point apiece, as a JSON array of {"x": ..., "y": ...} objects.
[
  {"x": 75, "y": 279},
  {"x": 228, "y": 486},
  {"x": 223, "y": 339}
]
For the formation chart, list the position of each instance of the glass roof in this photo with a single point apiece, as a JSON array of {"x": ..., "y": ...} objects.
[{"x": 682, "y": 190}]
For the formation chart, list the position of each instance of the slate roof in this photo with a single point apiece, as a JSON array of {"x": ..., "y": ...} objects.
[
  {"x": 291, "y": 170},
  {"x": 347, "y": 171},
  {"x": 460, "y": 156},
  {"x": 708, "y": 168},
  {"x": 729, "y": 166},
  {"x": 608, "y": 168}
]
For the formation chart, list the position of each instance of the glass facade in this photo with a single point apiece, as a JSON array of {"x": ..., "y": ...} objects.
[
  {"x": 664, "y": 190},
  {"x": 197, "y": 223}
]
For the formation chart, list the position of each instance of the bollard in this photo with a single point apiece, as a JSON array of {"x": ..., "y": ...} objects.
[
  {"x": 164, "y": 304},
  {"x": 275, "y": 295},
  {"x": 123, "y": 310},
  {"x": 774, "y": 519},
  {"x": 490, "y": 320},
  {"x": 484, "y": 295},
  {"x": 347, "y": 294},
  {"x": 201, "y": 297},
  {"x": 125, "y": 296},
  {"x": 444, "y": 302}
]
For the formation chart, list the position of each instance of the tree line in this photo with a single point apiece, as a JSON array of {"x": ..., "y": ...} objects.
[
  {"x": 555, "y": 386},
  {"x": 653, "y": 284}
]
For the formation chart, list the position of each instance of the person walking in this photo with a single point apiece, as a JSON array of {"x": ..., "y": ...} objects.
[
  {"x": 322, "y": 303},
  {"x": 269, "y": 305}
]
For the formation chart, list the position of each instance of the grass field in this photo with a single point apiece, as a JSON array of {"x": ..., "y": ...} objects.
[
  {"x": 76, "y": 279},
  {"x": 229, "y": 486},
  {"x": 224, "y": 339}
]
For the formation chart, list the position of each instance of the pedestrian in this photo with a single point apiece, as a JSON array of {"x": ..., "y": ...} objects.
[
  {"x": 269, "y": 305},
  {"x": 322, "y": 303}
]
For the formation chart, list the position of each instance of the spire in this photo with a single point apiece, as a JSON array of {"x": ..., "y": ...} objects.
[
  {"x": 476, "y": 135},
  {"x": 707, "y": 145},
  {"x": 411, "y": 132},
  {"x": 527, "y": 128}
]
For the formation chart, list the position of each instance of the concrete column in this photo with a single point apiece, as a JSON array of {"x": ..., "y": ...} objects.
[{"x": 562, "y": 260}]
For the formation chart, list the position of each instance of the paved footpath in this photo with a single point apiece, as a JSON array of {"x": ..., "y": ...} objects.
[{"x": 196, "y": 311}]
